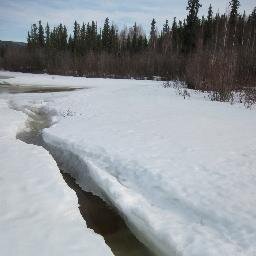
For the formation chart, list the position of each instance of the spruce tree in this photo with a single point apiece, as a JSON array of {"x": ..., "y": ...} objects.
[
  {"x": 166, "y": 28},
  {"x": 94, "y": 35},
  {"x": 135, "y": 38},
  {"x": 234, "y": 6},
  {"x": 210, "y": 13},
  {"x": 253, "y": 16},
  {"x": 47, "y": 36},
  {"x": 153, "y": 34},
  {"x": 60, "y": 37},
  {"x": 64, "y": 38},
  {"x": 34, "y": 35},
  {"x": 76, "y": 37},
  {"x": 83, "y": 38},
  {"x": 191, "y": 26},
  {"x": 106, "y": 35},
  {"x": 174, "y": 35},
  {"x": 208, "y": 26},
  {"x": 53, "y": 38},
  {"x": 233, "y": 19},
  {"x": 40, "y": 34}
]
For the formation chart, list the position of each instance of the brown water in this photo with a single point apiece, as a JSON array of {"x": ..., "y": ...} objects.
[{"x": 99, "y": 216}]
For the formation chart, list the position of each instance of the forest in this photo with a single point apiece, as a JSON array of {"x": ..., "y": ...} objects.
[{"x": 216, "y": 52}]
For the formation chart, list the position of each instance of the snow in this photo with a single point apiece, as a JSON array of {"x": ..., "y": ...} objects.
[
  {"x": 39, "y": 214},
  {"x": 23, "y": 79},
  {"x": 180, "y": 172}
]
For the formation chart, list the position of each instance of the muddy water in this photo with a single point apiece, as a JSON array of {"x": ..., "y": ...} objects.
[{"x": 99, "y": 216}]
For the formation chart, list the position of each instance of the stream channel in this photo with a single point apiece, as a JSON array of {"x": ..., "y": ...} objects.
[{"x": 99, "y": 216}]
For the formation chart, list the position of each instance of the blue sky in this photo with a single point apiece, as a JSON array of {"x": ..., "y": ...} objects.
[{"x": 16, "y": 16}]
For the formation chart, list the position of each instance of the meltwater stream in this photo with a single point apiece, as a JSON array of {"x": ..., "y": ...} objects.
[{"x": 99, "y": 216}]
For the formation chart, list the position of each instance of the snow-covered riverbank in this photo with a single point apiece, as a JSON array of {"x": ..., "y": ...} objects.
[{"x": 181, "y": 172}]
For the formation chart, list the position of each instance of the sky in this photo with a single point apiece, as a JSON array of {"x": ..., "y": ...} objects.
[{"x": 16, "y": 16}]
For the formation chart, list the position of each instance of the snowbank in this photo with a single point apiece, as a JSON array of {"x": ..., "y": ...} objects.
[
  {"x": 181, "y": 172},
  {"x": 25, "y": 79},
  {"x": 39, "y": 214}
]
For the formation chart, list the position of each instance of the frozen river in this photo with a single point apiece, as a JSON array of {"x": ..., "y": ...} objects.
[{"x": 99, "y": 216}]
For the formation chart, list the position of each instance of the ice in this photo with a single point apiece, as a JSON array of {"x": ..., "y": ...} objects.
[{"x": 180, "y": 172}]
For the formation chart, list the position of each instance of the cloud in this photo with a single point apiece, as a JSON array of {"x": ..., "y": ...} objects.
[{"x": 17, "y": 16}]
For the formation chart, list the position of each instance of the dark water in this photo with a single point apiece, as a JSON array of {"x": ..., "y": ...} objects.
[
  {"x": 105, "y": 221},
  {"x": 99, "y": 216},
  {"x": 14, "y": 89},
  {"x": 5, "y": 77}
]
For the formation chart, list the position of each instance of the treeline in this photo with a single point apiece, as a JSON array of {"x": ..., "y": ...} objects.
[
  {"x": 216, "y": 52},
  {"x": 88, "y": 38}
]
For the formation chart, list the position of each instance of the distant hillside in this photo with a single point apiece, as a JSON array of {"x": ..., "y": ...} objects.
[{"x": 11, "y": 43}]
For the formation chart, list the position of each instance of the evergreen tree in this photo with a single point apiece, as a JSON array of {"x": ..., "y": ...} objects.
[
  {"x": 153, "y": 35},
  {"x": 83, "y": 39},
  {"x": 193, "y": 8},
  {"x": 76, "y": 37},
  {"x": 94, "y": 35},
  {"x": 174, "y": 35},
  {"x": 174, "y": 24},
  {"x": 47, "y": 36},
  {"x": 64, "y": 38},
  {"x": 234, "y": 5},
  {"x": 53, "y": 38},
  {"x": 208, "y": 26},
  {"x": 192, "y": 23},
  {"x": 40, "y": 34},
  {"x": 34, "y": 35},
  {"x": 210, "y": 13},
  {"x": 166, "y": 28},
  {"x": 164, "y": 39},
  {"x": 106, "y": 35},
  {"x": 252, "y": 17},
  {"x": 233, "y": 19},
  {"x": 134, "y": 43}
]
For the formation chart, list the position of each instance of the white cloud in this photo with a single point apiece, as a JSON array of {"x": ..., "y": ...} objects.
[{"x": 17, "y": 16}]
